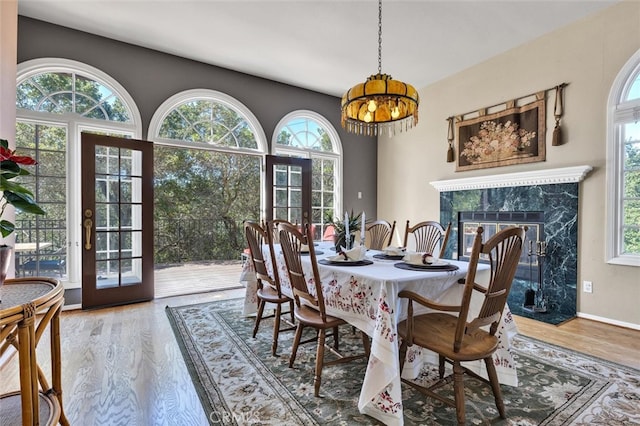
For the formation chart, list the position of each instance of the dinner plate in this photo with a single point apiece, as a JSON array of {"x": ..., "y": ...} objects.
[
  {"x": 362, "y": 262},
  {"x": 436, "y": 264},
  {"x": 306, "y": 253}
]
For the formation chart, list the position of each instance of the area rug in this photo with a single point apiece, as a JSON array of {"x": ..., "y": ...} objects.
[{"x": 240, "y": 383}]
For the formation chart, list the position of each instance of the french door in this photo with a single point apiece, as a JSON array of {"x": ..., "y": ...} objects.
[
  {"x": 288, "y": 194},
  {"x": 117, "y": 220}
]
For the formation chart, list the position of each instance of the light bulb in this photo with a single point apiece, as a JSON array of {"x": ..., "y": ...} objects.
[
  {"x": 367, "y": 117},
  {"x": 371, "y": 105},
  {"x": 395, "y": 112}
]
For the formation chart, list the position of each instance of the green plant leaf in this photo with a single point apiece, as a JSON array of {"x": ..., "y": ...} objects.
[
  {"x": 23, "y": 201},
  {"x": 14, "y": 188},
  {"x": 6, "y": 228},
  {"x": 10, "y": 167}
]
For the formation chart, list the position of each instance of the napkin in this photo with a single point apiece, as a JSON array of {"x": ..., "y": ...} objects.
[
  {"x": 394, "y": 251},
  {"x": 355, "y": 254},
  {"x": 304, "y": 248},
  {"x": 420, "y": 258}
]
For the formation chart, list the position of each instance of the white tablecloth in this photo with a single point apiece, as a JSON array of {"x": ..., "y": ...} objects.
[{"x": 366, "y": 297}]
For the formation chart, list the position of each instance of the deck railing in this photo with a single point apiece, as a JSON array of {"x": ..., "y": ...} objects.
[
  {"x": 175, "y": 241},
  {"x": 193, "y": 240}
]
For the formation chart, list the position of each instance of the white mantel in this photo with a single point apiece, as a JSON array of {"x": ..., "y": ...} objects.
[{"x": 535, "y": 177}]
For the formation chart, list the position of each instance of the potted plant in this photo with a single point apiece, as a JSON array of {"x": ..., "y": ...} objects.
[
  {"x": 13, "y": 194},
  {"x": 339, "y": 226}
]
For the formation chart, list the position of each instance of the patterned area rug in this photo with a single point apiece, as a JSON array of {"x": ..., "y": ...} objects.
[{"x": 239, "y": 382}]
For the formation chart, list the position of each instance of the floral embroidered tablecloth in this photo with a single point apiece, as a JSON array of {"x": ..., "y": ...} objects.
[{"x": 366, "y": 297}]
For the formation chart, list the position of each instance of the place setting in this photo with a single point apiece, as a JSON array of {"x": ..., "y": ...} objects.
[
  {"x": 424, "y": 262},
  {"x": 391, "y": 253},
  {"x": 352, "y": 257},
  {"x": 304, "y": 250}
]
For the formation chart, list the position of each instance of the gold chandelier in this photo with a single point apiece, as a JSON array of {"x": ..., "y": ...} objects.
[{"x": 380, "y": 104}]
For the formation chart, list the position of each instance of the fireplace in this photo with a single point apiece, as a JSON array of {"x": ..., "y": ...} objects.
[
  {"x": 530, "y": 266},
  {"x": 545, "y": 201}
]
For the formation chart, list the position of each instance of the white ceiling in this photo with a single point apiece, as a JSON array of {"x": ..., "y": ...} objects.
[{"x": 322, "y": 45}]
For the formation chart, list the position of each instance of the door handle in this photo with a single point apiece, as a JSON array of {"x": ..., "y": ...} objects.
[{"x": 88, "y": 225}]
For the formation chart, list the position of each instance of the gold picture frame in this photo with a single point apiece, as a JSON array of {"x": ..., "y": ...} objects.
[{"x": 515, "y": 135}]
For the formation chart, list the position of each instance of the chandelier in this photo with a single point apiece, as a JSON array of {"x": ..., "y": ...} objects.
[{"x": 380, "y": 104}]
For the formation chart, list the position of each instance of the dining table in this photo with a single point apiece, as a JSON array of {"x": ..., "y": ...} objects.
[{"x": 365, "y": 295}]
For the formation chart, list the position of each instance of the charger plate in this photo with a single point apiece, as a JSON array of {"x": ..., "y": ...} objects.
[
  {"x": 433, "y": 268},
  {"x": 328, "y": 262}
]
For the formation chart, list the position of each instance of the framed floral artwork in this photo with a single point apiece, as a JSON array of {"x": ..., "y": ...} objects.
[{"x": 513, "y": 136}]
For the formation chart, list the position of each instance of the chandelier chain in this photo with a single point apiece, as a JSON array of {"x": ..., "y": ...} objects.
[
  {"x": 380, "y": 105},
  {"x": 379, "y": 36}
]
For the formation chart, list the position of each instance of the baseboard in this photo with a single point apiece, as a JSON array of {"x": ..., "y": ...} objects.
[
  {"x": 72, "y": 307},
  {"x": 609, "y": 321}
]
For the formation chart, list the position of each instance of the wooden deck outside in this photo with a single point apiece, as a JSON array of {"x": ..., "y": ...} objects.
[{"x": 197, "y": 277}]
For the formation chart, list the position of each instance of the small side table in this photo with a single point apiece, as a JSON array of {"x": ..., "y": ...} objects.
[{"x": 27, "y": 307}]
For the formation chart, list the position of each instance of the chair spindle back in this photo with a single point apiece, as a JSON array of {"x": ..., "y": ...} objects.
[
  {"x": 429, "y": 236},
  {"x": 503, "y": 251},
  {"x": 257, "y": 237},
  {"x": 291, "y": 242},
  {"x": 380, "y": 234}
]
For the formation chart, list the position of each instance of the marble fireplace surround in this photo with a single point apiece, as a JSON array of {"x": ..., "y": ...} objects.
[{"x": 553, "y": 192}]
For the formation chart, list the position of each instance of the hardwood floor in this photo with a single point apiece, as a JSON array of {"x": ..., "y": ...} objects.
[
  {"x": 196, "y": 277},
  {"x": 122, "y": 366},
  {"x": 617, "y": 344}
]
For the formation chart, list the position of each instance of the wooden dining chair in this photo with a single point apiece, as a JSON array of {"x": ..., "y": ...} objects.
[
  {"x": 380, "y": 234},
  {"x": 269, "y": 290},
  {"x": 309, "y": 301},
  {"x": 448, "y": 331},
  {"x": 273, "y": 227},
  {"x": 429, "y": 236}
]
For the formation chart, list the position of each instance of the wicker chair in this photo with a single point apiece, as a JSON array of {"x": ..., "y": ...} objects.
[
  {"x": 453, "y": 337},
  {"x": 429, "y": 236},
  {"x": 269, "y": 290},
  {"x": 380, "y": 234},
  {"x": 312, "y": 312}
]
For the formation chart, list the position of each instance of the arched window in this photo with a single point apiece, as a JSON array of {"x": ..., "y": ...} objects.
[
  {"x": 623, "y": 166},
  {"x": 208, "y": 157},
  {"x": 56, "y": 100},
  {"x": 307, "y": 134},
  {"x": 208, "y": 120}
]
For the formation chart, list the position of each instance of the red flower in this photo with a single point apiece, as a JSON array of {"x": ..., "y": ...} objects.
[{"x": 8, "y": 155}]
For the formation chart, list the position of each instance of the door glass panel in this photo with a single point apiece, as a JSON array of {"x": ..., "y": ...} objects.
[
  {"x": 131, "y": 271},
  {"x": 125, "y": 162},
  {"x": 280, "y": 197},
  {"x": 136, "y": 190},
  {"x": 280, "y": 176},
  {"x": 295, "y": 215},
  {"x": 118, "y": 216},
  {"x": 126, "y": 216},
  {"x": 101, "y": 159},
  {"x": 296, "y": 176},
  {"x": 287, "y": 193},
  {"x": 106, "y": 274},
  {"x": 102, "y": 243},
  {"x": 126, "y": 250}
]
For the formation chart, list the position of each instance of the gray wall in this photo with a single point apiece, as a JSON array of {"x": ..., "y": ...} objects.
[{"x": 151, "y": 77}]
